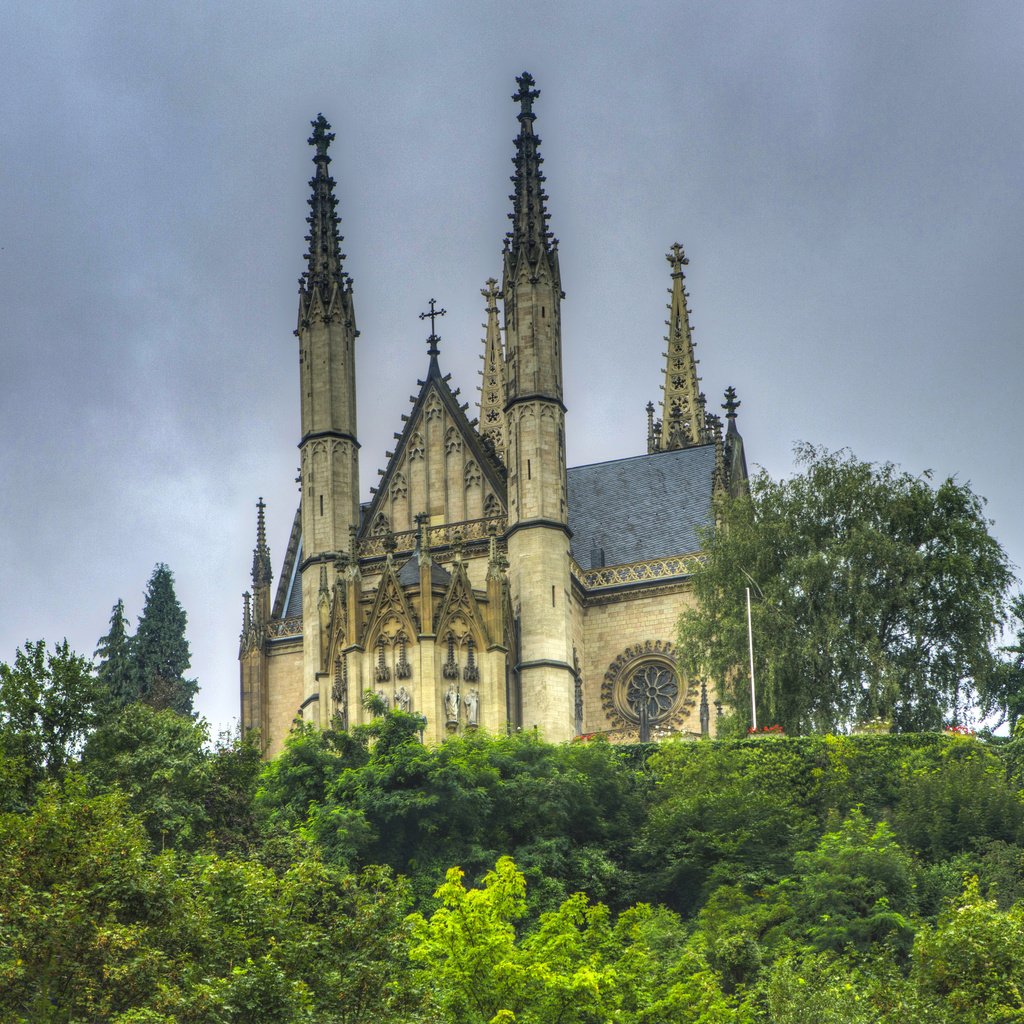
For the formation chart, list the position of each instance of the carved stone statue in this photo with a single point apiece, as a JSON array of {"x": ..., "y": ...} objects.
[
  {"x": 472, "y": 702},
  {"x": 403, "y": 699},
  {"x": 451, "y": 705},
  {"x": 384, "y": 697}
]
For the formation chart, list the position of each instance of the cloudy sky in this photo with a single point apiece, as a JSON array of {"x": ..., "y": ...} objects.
[{"x": 845, "y": 177}]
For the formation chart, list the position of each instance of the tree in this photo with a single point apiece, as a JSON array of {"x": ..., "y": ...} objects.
[
  {"x": 575, "y": 967},
  {"x": 876, "y": 594},
  {"x": 49, "y": 701},
  {"x": 1004, "y": 692},
  {"x": 161, "y": 651},
  {"x": 116, "y": 667}
]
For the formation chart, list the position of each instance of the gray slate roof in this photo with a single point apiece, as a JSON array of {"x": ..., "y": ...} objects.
[
  {"x": 409, "y": 574},
  {"x": 648, "y": 506}
]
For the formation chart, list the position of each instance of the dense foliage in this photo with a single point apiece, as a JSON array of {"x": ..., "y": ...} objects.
[
  {"x": 151, "y": 873},
  {"x": 876, "y": 596}
]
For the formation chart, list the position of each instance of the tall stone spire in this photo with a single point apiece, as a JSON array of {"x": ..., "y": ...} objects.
[
  {"x": 327, "y": 389},
  {"x": 682, "y": 412},
  {"x": 324, "y": 288},
  {"x": 538, "y": 531},
  {"x": 262, "y": 571},
  {"x": 529, "y": 238},
  {"x": 492, "y": 387}
]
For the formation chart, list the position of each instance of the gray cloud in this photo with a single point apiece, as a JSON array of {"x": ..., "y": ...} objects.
[{"x": 846, "y": 181}]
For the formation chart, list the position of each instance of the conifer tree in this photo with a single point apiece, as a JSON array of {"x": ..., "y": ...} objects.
[
  {"x": 161, "y": 651},
  {"x": 116, "y": 667}
]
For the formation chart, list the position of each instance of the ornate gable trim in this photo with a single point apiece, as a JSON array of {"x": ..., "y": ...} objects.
[
  {"x": 409, "y": 444},
  {"x": 390, "y": 602},
  {"x": 460, "y": 600}
]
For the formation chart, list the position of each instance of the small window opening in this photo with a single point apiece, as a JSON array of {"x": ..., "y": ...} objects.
[
  {"x": 552, "y": 597},
  {"x": 528, "y": 475},
  {"x": 321, "y": 504}
]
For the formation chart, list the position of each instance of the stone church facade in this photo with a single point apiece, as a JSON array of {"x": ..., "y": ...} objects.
[{"x": 485, "y": 585}]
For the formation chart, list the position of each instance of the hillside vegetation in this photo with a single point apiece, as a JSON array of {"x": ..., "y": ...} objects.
[{"x": 149, "y": 875}]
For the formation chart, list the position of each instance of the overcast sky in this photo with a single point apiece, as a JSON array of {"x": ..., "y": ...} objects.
[{"x": 846, "y": 178}]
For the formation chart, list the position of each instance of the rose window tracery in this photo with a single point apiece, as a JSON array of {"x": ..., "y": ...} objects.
[
  {"x": 643, "y": 689},
  {"x": 652, "y": 688}
]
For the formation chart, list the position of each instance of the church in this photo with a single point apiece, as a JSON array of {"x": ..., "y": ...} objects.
[{"x": 485, "y": 584}]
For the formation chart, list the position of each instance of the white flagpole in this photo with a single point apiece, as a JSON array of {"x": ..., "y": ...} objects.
[{"x": 750, "y": 641}]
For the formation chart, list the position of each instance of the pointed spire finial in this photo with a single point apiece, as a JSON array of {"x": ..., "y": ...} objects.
[
  {"x": 529, "y": 236},
  {"x": 526, "y": 95},
  {"x": 491, "y": 293},
  {"x": 493, "y": 391},
  {"x": 262, "y": 572},
  {"x": 677, "y": 258},
  {"x": 730, "y": 405},
  {"x": 682, "y": 421},
  {"x": 324, "y": 260},
  {"x": 322, "y": 136}
]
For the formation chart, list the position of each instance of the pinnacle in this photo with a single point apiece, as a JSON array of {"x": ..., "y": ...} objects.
[
  {"x": 324, "y": 258},
  {"x": 529, "y": 236}
]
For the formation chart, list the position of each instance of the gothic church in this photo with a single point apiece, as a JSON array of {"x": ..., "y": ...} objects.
[{"x": 485, "y": 584}]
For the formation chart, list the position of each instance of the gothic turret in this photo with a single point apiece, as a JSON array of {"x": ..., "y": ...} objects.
[
  {"x": 682, "y": 412},
  {"x": 538, "y": 534},
  {"x": 734, "y": 456},
  {"x": 262, "y": 572},
  {"x": 256, "y": 615},
  {"x": 328, "y": 445},
  {"x": 492, "y": 386}
]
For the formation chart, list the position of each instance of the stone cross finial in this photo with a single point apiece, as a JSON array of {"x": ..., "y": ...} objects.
[
  {"x": 526, "y": 94},
  {"x": 677, "y": 258},
  {"x": 731, "y": 403},
  {"x": 433, "y": 339},
  {"x": 491, "y": 293},
  {"x": 322, "y": 135}
]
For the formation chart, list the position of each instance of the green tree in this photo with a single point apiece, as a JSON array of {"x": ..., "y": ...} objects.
[
  {"x": 576, "y": 967},
  {"x": 876, "y": 595},
  {"x": 115, "y": 667},
  {"x": 971, "y": 963},
  {"x": 1003, "y": 693},
  {"x": 161, "y": 651},
  {"x": 856, "y": 888},
  {"x": 49, "y": 702}
]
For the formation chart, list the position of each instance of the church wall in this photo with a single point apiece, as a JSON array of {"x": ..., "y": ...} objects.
[
  {"x": 609, "y": 628},
  {"x": 284, "y": 691}
]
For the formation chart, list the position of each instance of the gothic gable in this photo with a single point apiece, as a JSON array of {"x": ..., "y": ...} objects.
[
  {"x": 440, "y": 467},
  {"x": 391, "y": 615},
  {"x": 460, "y": 613}
]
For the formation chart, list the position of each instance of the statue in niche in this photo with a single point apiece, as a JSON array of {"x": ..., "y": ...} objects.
[
  {"x": 451, "y": 705},
  {"x": 579, "y": 706},
  {"x": 472, "y": 702},
  {"x": 384, "y": 697},
  {"x": 403, "y": 699}
]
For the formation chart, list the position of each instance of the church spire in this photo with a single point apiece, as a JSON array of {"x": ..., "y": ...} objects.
[
  {"x": 328, "y": 448},
  {"x": 262, "y": 572},
  {"x": 529, "y": 238},
  {"x": 492, "y": 387},
  {"x": 324, "y": 280},
  {"x": 682, "y": 416}
]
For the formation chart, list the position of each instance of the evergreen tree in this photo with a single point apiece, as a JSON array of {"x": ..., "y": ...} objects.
[
  {"x": 116, "y": 668},
  {"x": 160, "y": 648}
]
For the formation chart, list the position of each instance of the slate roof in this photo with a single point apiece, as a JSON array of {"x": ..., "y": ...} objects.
[
  {"x": 648, "y": 506},
  {"x": 409, "y": 574},
  {"x": 294, "y": 605}
]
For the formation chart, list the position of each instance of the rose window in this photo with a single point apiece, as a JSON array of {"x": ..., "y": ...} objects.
[{"x": 653, "y": 688}]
